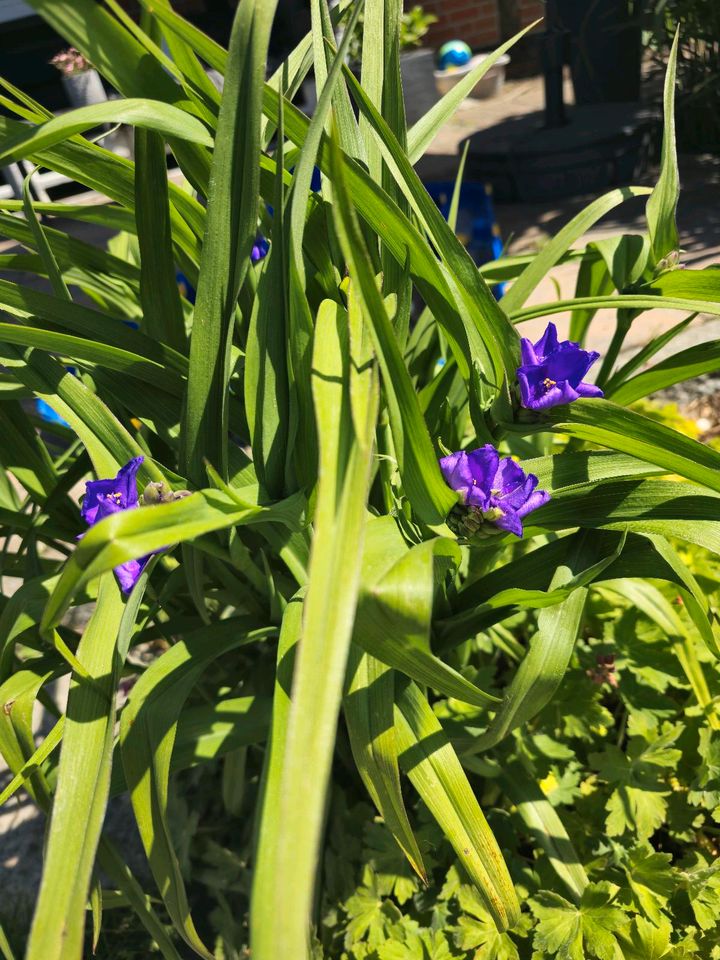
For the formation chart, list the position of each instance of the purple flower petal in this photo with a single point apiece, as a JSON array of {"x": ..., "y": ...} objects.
[
  {"x": 96, "y": 492},
  {"x": 471, "y": 474},
  {"x": 511, "y": 522},
  {"x": 552, "y": 372},
  {"x": 129, "y": 572},
  {"x": 509, "y": 477},
  {"x": 536, "y": 499},
  {"x": 260, "y": 249},
  {"x": 547, "y": 343},
  {"x": 538, "y": 391},
  {"x": 456, "y": 470},
  {"x": 515, "y": 498},
  {"x": 105, "y": 497},
  {"x": 126, "y": 481},
  {"x": 568, "y": 364},
  {"x": 589, "y": 390},
  {"x": 483, "y": 464},
  {"x": 527, "y": 352},
  {"x": 498, "y": 487}
]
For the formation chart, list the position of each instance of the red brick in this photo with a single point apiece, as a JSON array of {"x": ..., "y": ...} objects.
[{"x": 474, "y": 21}]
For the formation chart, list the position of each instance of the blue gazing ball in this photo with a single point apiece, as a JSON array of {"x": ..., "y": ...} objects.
[{"x": 454, "y": 53}]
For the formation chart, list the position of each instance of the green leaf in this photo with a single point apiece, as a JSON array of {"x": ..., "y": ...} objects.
[
  {"x": 24, "y": 774},
  {"x": 267, "y": 398},
  {"x": 289, "y": 855},
  {"x": 182, "y": 57},
  {"x": 477, "y": 931},
  {"x": 546, "y": 828},
  {"x": 5, "y": 947},
  {"x": 231, "y": 227},
  {"x": 638, "y": 800},
  {"x": 95, "y": 325},
  {"x": 135, "y": 69},
  {"x": 87, "y": 351},
  {"x": 544, "y": 666},
  {"x": 300, "y": 325},
  {"x": 693, "y": 362},
  {"x": 703, "y": 888},
  {"x": 147, "y": 114},
  {"x": 661, "y": 207},
  {"x": 624, "y": 301},
  {"x": 147, "y": 735},
  {"x": 552, "y": 252},
  {"x": 82, "y": 788},
  {"x": 486, "y": 323},
  {"x": 130, "y": 534},
  {"x": 395, "y": 608},
  {"x": 108, "y": 443},
  {"x": 368, "y": 709},
  {"x": 42, "y": 244},
  {"x": 121, "y": 875},
  {"x": 604, "y": 423},
  {"x": 567, "y": 930},
  {"x": 324, "y": 57},
  {"x": 651, "y": 879},
  {"x": 700, "y": 285},
  {"x": 642, "y": 357},
  {"x": 434, "y": 769},
  {"x": 654, "y": 605},
  {"x": 593, "y": 280},
  {"x": 269, "y": 823},
  {"x": 159, "y": 295},
  {"x": 17, "y": 695},
  {"x": 400, "y": 236},
  {"x": 418, "y": 465},
  {"x": 646, "y": 941}
]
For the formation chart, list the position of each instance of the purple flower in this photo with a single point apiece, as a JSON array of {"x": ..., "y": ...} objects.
[
  {"x": 551, "y": 373},
  {"x": 104, "y": 497},
  {"x": 495, "y": 491},
  {"x": 260, "y": 249}
]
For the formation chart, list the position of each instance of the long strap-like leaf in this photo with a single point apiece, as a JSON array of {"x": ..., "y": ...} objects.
[
  {"x": 434, "y": 769},
  {"x": 82, "y": 788},
  {"x": 289, "y": 854},
  {"x": 231, "y": 224}
]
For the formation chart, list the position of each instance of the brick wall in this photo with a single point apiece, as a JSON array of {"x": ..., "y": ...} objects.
[
  {"x": 475, "y": 21},
  {"x": 529, "y": 10},
  {"x": 480, "y": 23}
]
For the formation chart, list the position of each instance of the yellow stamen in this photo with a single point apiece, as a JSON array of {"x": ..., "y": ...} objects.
[{"x": 547, "y": 383}]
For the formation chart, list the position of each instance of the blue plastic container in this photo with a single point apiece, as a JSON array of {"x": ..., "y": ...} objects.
[{"x": 476, "y": 228}]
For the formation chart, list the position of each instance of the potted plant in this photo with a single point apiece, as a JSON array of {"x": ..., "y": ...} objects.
[{"x": 80, "y": 79}]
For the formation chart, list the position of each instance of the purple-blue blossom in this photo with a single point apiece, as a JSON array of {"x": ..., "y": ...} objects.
[
  {"x": 260, "y": 249},
  {"x": 552, "y": 372},
  {"x": 105, "y": 497},
  {"x": 495, "y": 491}
]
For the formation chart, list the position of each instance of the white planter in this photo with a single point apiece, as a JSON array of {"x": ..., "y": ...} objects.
[
  {"x": 488, "y": 86},
  {"x": 416, "y": 70},
  {"x": 84, "y": 88}
]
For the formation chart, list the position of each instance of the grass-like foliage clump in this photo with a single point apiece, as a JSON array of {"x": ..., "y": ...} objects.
[{"x": 403, "y": 642}]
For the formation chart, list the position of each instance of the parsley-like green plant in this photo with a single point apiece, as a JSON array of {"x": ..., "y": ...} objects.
[{"x": 338, "y": 553}]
